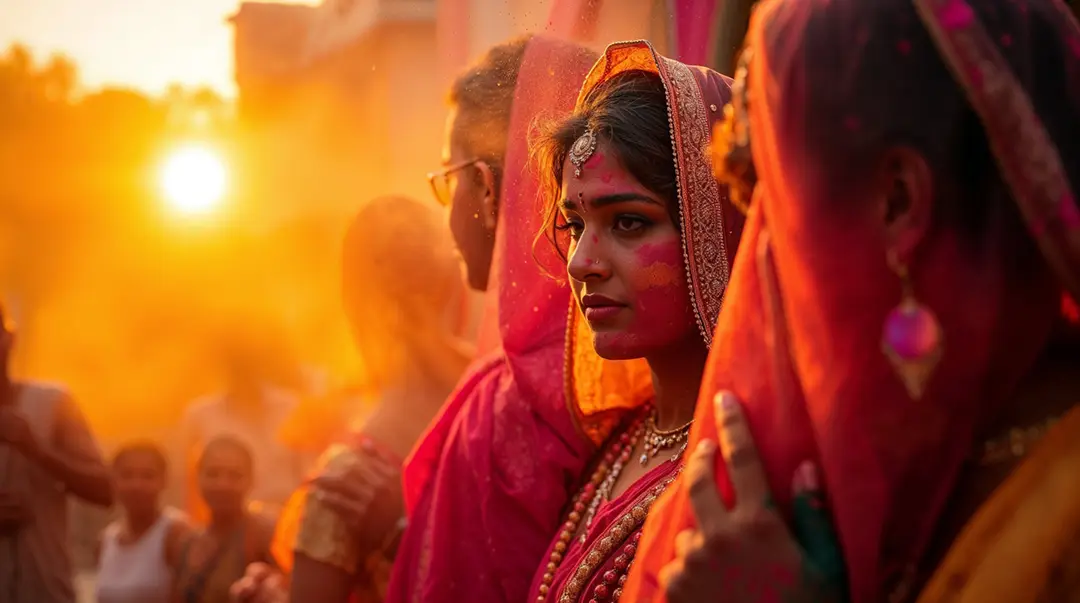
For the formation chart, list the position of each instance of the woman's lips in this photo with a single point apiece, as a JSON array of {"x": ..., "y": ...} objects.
[
  {"x": 602, "y": 313},
  {"x": 600, "y": 308}
]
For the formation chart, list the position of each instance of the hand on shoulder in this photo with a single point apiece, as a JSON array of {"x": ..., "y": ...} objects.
[{"x": 747, "y": 553}]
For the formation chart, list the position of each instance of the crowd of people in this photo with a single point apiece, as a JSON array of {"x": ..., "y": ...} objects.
[{"x": 808, "y": 334}]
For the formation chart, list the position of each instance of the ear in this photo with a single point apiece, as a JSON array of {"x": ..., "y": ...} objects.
[
  {"x": 489, "y": 207},
  {"x": 905, "y": 183}
]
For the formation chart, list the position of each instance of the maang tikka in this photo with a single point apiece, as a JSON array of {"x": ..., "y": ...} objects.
[
  {"x": 581, "y": 150},
  {"x": 911, "y": 339}
]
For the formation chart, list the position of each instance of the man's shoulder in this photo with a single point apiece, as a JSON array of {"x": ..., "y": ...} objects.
[
  {"x": 43, "y": 388},
  {"x": 37, "y": 393}
]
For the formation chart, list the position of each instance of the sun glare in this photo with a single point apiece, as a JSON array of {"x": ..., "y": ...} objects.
[{"x": 193, "y": 179}]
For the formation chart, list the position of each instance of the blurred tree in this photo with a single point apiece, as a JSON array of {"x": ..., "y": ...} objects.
[{"x": 58, "y": 79}]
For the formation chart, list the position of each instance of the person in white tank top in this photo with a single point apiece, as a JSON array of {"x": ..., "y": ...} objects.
[{"x": 137, "y": 554}]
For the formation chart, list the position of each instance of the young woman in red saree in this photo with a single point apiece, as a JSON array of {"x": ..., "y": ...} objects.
[
  {"x": 913, "y": 228},
  {"x": 648, "y": 235}
]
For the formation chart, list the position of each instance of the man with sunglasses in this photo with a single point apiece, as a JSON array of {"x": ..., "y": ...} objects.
[
  {"x": 46, "y": 453},
  {"x": 481, "y": 101}
]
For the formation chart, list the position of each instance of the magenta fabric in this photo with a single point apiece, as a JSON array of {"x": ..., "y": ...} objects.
[
  {"x": 486, "y": 485},
  {"x": 693, "y": 30}
]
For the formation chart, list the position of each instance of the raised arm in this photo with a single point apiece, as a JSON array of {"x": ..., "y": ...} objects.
[
  {"x": 74, "y": 457},
  {"x": 70, "y": 455}
]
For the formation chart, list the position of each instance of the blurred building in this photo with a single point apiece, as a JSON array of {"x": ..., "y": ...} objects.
[
  {"x": 344, "y": 100},
  {"x": 338, "y": 102}
]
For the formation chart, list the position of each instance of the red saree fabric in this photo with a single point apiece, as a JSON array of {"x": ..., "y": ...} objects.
[
  {"x": 485, "y": 486},
  {"x": 801, "y": 331}
]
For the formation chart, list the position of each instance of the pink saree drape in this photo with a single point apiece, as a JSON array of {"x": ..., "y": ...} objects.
[{"x": 485, "y": 486}]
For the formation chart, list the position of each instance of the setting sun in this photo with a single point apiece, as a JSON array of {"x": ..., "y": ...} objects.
[{"x": 194, "y": 179}]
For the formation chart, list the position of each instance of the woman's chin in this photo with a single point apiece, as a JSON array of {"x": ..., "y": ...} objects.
[{"x": 616, "y": 346}]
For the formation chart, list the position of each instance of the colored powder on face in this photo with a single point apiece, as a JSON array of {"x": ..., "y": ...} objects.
[
  {"x": 662, "y": 265},
  {"x": 596, "y": 159},
  {"x": 660, "y": 275}
]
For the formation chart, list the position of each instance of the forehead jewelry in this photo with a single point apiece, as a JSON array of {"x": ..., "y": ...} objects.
[{"x": 581, "y": 150}]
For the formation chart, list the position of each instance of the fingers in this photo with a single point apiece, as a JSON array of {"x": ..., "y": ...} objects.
[
  {"x": 258, "y": 571},
  {"x": 245, "y": 589},
  {"x": 272, "y": 590},
  {"x": 385, "y": 469},
  {"x": 673, "y": 580},
  {"x": 737, "y": 445},
  {"x": 813, "y": 526},
  {"x": 343, "y": 485},
  {"x": 241, "y": 590},
  {"x": 352, "y": 511},
  {"x": 684, "y": 542},
  {"x": 359, "y": 478},
  {"x": 705, "y": 501}
]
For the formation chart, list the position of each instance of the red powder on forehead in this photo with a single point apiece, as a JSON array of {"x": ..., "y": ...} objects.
[
  {"x": 597, "y": 158},
  {"x": 606, "y": 177}
]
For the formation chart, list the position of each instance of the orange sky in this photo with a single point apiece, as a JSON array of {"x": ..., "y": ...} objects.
[{"x": 147, "y": 44}]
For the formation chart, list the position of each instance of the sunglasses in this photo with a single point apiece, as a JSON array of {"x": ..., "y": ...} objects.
[{"x": 440, "y": 180}]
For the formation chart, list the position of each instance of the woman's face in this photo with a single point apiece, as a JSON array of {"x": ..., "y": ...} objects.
[
  {"x": 625, "y": 260},
  {"x": 224, "y": 479},
  {"x": 139, "y": 479}
]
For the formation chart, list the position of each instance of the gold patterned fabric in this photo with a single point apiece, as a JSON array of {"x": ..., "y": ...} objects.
[
  {"x": 710, "y": 226},
  {"x": 1023, "y": 544},
  {"x": 323, "y": 535},
  {"x": 311, "y": 528}
]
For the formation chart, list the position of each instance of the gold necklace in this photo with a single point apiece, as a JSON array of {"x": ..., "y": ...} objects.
[
  {"x": 656, "y": 440},
  {"x": 1013, "y": 444}
]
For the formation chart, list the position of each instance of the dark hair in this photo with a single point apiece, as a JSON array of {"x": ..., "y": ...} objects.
[
  {"x": 143, "y": 447},
  {"x": 228, "y": 442},
  {"x": 484, "y": 97},
  {"x": 899, "y": 91},
  {"x": 629, "y": 113}
]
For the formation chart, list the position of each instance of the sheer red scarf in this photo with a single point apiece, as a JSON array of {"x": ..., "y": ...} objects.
[{"x": 800, "y": 344}]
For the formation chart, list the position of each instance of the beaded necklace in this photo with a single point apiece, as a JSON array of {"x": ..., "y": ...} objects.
[{"x": 626, "y": 529}]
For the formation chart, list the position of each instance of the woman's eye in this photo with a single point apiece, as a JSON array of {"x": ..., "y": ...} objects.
[
  {"x": 629, "y": 224},
  {"x": 574, "y": 226}
]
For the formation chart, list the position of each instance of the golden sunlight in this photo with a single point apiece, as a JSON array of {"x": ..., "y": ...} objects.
[{"x": 194, "y": 179}]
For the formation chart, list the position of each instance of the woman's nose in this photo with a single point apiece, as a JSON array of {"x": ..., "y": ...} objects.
[{"x": 586, "y": 261}]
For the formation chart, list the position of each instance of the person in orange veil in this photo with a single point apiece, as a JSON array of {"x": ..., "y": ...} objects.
[
  {"x": 898, "y": 319},
  {"x": 647, "y": 234}
]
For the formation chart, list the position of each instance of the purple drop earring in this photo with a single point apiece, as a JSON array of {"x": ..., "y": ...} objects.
[{"x": 911, "y": 339}]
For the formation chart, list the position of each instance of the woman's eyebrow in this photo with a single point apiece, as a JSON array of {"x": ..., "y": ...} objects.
[{"x": 612, "y": 199}]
